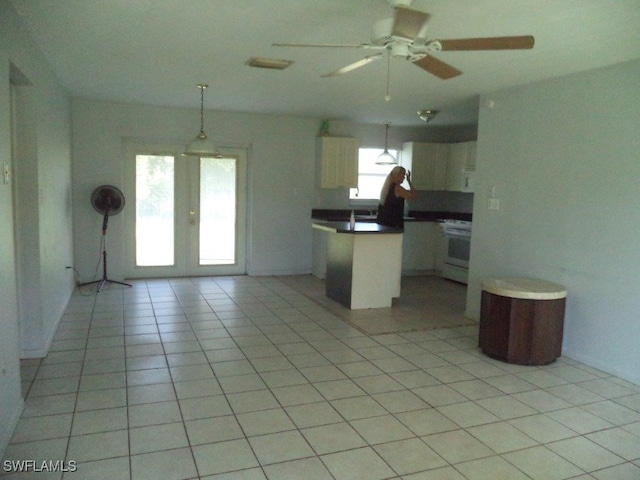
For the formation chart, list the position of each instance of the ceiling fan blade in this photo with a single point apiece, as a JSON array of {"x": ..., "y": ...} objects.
[
  {"x": 489, "y": 43},
  {"x": 322, "y": 45},
  {"x": 437, "y": 67},
  {"x": 408, "y": 23},
  {"x": 360, "y": 63}
]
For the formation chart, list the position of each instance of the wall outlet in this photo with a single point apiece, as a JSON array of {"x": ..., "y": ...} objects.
[{"x": 494, "y": 204}]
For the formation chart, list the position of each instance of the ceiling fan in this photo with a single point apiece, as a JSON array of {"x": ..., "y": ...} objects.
[{"x": 404, "y": 36}]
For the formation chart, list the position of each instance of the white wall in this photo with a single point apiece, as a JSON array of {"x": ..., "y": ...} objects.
[
  {"x": 49, "y": 170},
  {"x": 10, "y": 399},
  {"x": 563, "y": 156},
  {"x": 42, "y": 182},
  {"x": 282, "y": 167},
  {"x": 280, "y": 177}
]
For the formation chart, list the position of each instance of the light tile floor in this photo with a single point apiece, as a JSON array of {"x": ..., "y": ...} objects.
[
  {"x": 441, "y": 301},
  {"x": 248, "y": 378}
]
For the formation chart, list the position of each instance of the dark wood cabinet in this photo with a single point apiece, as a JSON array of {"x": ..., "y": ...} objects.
[{"x": 525, "y": 331}]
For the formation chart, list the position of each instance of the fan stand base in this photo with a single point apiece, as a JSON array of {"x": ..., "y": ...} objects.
[{"x": 105, "y": 280}]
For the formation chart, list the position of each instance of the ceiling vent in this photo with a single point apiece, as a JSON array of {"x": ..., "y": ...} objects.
[{"x": 271, "y": 63}]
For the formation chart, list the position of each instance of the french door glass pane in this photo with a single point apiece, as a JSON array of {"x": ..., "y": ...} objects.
[
  {"x": 217, "y": 211},
  {"x": 155, "y": 210}
]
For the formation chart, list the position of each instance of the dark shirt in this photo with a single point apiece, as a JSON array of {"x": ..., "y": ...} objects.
[{"x": 391, "y": 213}]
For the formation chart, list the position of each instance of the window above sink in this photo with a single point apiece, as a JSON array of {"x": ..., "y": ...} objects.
[{"x": 371, "y": 176}]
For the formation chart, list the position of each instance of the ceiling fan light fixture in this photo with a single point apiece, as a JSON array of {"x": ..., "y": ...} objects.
[
  {"x": 385, "y": 158},
  {"x": 201, "y": 146},
  {"x": 427, "y": 115},
  {"x": 399, "y": 3},
  {"x": 399, "y": 50}
]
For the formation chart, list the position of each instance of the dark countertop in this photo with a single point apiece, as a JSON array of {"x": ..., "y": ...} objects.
[
  {"x": 338, "y": 215},
  {"x": 359, "y": 227}
]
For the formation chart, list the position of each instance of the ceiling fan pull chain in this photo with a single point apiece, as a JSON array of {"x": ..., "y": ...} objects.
[{"x": 387, "y": 97}]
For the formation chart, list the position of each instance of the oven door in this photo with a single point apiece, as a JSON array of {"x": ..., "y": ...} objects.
[{"x": 458, "y": 248}]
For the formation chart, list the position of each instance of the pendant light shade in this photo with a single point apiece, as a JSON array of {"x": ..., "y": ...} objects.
[
  {"x": 385, "y": 158},
  {"x": 201, "y": 146}
]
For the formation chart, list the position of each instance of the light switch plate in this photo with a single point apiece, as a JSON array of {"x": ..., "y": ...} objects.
[{"x": 494, "y": 204}]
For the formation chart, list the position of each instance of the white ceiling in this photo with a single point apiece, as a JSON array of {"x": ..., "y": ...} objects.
[{"x": 155, "y": 51}]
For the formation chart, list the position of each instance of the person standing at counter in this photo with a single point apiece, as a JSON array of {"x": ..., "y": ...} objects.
[{"x": 392, "y": 197}]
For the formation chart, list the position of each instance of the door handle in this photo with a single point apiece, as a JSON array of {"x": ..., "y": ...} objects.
[{"x": 192, "y": 216}]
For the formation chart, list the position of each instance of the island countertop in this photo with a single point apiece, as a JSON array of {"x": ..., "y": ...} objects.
[{"x": 358, "y": 228}]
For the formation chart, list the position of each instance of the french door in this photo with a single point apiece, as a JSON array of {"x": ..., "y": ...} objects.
[{"x": 189, "y": 214}]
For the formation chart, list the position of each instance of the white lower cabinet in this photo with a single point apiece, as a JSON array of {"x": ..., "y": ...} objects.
[{"x": 419, "y": 247}]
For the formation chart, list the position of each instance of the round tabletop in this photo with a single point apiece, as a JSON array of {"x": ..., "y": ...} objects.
[{"x": 525, "y": 288}]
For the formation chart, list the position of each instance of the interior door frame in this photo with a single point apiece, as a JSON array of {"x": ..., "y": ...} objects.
[{"x": 185, "y": 259}]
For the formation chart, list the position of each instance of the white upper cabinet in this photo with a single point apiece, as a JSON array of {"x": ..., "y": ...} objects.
[
  {"x": 338, "y": 162},
  {"x": 428, "y": 164},
  {"x": 461, "y": 166}
]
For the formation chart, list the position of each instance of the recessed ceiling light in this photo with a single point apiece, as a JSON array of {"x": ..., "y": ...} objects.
[{"x": 272, "y": 63}]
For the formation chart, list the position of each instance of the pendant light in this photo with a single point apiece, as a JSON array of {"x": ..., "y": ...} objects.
[
  {"x": 201, "y": 146},
  {"x": 385, "y": 158}
]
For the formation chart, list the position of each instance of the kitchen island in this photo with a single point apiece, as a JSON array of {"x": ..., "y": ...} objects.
[{"x": 364, "y": 263}]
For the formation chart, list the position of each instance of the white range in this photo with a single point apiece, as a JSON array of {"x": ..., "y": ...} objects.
[{"x": 458, "y": 242}]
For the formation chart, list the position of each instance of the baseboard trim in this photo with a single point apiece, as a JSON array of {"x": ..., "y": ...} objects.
[
  {"x": 603, "y": 366},
  {"x": 276, "y": 273},
  {"x": 43, "y": 350},
  {"x": 10, "y": 426}
]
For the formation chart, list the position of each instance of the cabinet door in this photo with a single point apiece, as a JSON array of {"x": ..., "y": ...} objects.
[
  {"x": 462, "y": 164},
  {"x": 471, "y": 156},
  {"x": 339, "y": 162},
  {"x": 428, "y": 164},
  {"x": 419, "y": 245},
  {"x": 457, "y": 164}
]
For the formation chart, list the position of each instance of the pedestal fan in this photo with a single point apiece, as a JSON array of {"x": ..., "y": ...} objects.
[{"x": 107, "y": 200}]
